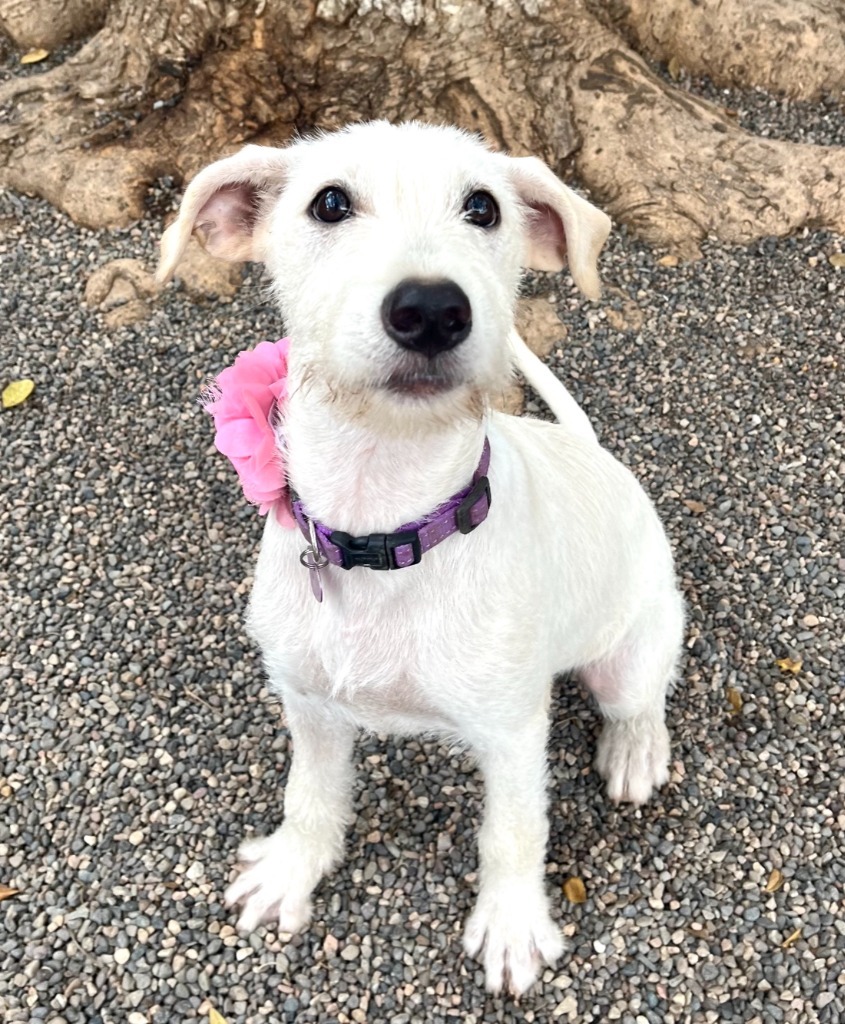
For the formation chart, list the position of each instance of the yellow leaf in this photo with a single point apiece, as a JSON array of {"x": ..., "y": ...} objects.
[
  {"x": 734, "y": 699},
  {"x": 34, "y": 56},
  {"x": 695, "y": 507},
  {"x": 792, "y": 939},
  {"x": 574, "y": 890},
  {"x": 668, "y": 261},
  {"x": 792, "y": 665},
  {"x": 16, "y": 392},
  {"x": 674, "y": 69},
  {"x": 214, "y": 1017},
  {"x": 775, "y": 881},
  {"x": 837, "y": 259},
  {"x": 6, "y": 892}
]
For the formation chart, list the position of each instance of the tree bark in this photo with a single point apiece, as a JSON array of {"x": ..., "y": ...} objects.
[{"x": 166, "y": 86}]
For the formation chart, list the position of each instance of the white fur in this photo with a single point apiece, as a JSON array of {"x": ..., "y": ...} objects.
[{"x": 570, "y": 571}]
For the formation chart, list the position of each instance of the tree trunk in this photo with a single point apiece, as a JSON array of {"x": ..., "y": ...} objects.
[{"x": 168, "y": 85}]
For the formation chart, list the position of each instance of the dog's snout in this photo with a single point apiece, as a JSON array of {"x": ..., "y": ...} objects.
[{"x": 427, "y": 316}]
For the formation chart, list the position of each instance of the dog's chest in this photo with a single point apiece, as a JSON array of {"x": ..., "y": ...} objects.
[
  {"x": 373, "y": 661},
  {"x": 367, "y": 648}
]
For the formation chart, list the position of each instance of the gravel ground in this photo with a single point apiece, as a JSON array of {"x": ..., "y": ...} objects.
[{"x": 138, "y": 744}]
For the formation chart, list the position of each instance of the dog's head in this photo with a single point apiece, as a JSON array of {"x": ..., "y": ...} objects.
[{"x": 395, "y": 253}]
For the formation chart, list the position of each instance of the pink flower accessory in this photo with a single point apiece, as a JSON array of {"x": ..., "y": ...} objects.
[{"x": 244, "y": 400}]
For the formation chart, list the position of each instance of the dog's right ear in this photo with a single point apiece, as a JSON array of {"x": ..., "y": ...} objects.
[{"x": 225, "y": 205}]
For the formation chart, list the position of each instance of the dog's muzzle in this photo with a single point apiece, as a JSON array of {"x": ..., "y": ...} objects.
[{"x": 429, "y": 317}]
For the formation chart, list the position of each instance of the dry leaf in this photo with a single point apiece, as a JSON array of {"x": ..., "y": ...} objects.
[
  {"x": 214, "y": 1017},
  {"x": 775, "y": 881},
  {"x": 34, "y": 56},
  {"x": 668, "y": 261},
  {"x": 674, "y": 69},
  {"x": 837, "y": 259},
  {"x": 574, "y": 890},
  {"x": 16, "y": 392},
  {"x": 695, "y": 507},
  {"x": 792, "y": 939},
  {"x": 734, "y": 699},
  {"x": 792, "y": 665},
  {"x": 6, "y": 892}
]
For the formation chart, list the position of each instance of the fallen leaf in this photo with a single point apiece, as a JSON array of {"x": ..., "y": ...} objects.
[
  {"x": 6, "y": 892},
  {"x": 837, "y": 259},
  {"x": 16, "y": 392},
  {"x": 34, "y": 56},
  {"x": 792, "y": 939},
  {"x": 668, "y": 261},
  {"x": 696, "y": 507},
  {"x": 674, "y": 69},
  {"x": 214, "y": 1017},
  {"x": 734, "y": 699},
  {"x": 775, "y": 881},
  {"x": 792, "y": 665},
  {"x": 574, "y": 890}
]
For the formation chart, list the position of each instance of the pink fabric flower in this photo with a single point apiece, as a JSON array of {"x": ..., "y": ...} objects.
[{"x": 243, "y": 401}]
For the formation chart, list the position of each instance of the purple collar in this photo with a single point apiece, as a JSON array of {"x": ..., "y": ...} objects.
[{"x": 461, "y": 513}]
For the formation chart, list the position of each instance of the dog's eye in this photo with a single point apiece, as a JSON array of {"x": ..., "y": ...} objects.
[
  {"x": 331, "y": 205},
  {"x": 481, "y": 209}
]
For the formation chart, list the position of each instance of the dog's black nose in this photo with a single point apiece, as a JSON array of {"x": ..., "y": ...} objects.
[{"x": 427, "y": 316}]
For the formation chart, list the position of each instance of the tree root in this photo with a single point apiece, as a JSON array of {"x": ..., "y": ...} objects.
[
  {"x": 50, "y": 23},
  {"x": 122, "y": 290},
  {"x": 793, "y": 47},
  {"x": 677, "y": 169}
]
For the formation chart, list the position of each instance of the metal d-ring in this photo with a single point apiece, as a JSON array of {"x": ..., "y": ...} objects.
[{"x": 313, "y": 557}]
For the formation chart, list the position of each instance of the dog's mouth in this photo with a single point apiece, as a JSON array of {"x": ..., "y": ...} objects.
[{"x": 420, "y": 385}]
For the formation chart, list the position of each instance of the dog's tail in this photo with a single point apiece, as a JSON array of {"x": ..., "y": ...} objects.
[{"x": 569, "y": 414}]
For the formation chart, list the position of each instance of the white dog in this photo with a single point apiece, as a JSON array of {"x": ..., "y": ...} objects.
[{"x": 395, "y": 254}]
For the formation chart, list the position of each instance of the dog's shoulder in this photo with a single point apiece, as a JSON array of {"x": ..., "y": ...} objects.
[
  {"x": 561, "y": 476},
  {"x": 545, "y": 447}
]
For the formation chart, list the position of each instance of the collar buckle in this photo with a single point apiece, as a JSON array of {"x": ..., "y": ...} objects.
[
  {"x": 463, "y": 513},
  {"x": 378, "y": 550}
]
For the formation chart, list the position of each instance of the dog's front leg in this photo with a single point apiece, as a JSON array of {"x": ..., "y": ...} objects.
[
  {"x": 511, "y": 921},
  {"x": 281, "y": 870}
]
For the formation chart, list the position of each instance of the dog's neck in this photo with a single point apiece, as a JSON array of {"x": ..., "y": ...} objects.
[{"x": 355, "y": 475}]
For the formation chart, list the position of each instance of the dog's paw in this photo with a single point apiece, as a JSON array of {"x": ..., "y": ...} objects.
[
  {"x": 513, "y": 935},
  {"x": 633, "y": 758},
  {"x": 277, "y": 876}
]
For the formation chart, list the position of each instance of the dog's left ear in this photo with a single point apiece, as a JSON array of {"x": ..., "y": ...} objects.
[{"x": 561, "y": 226}]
